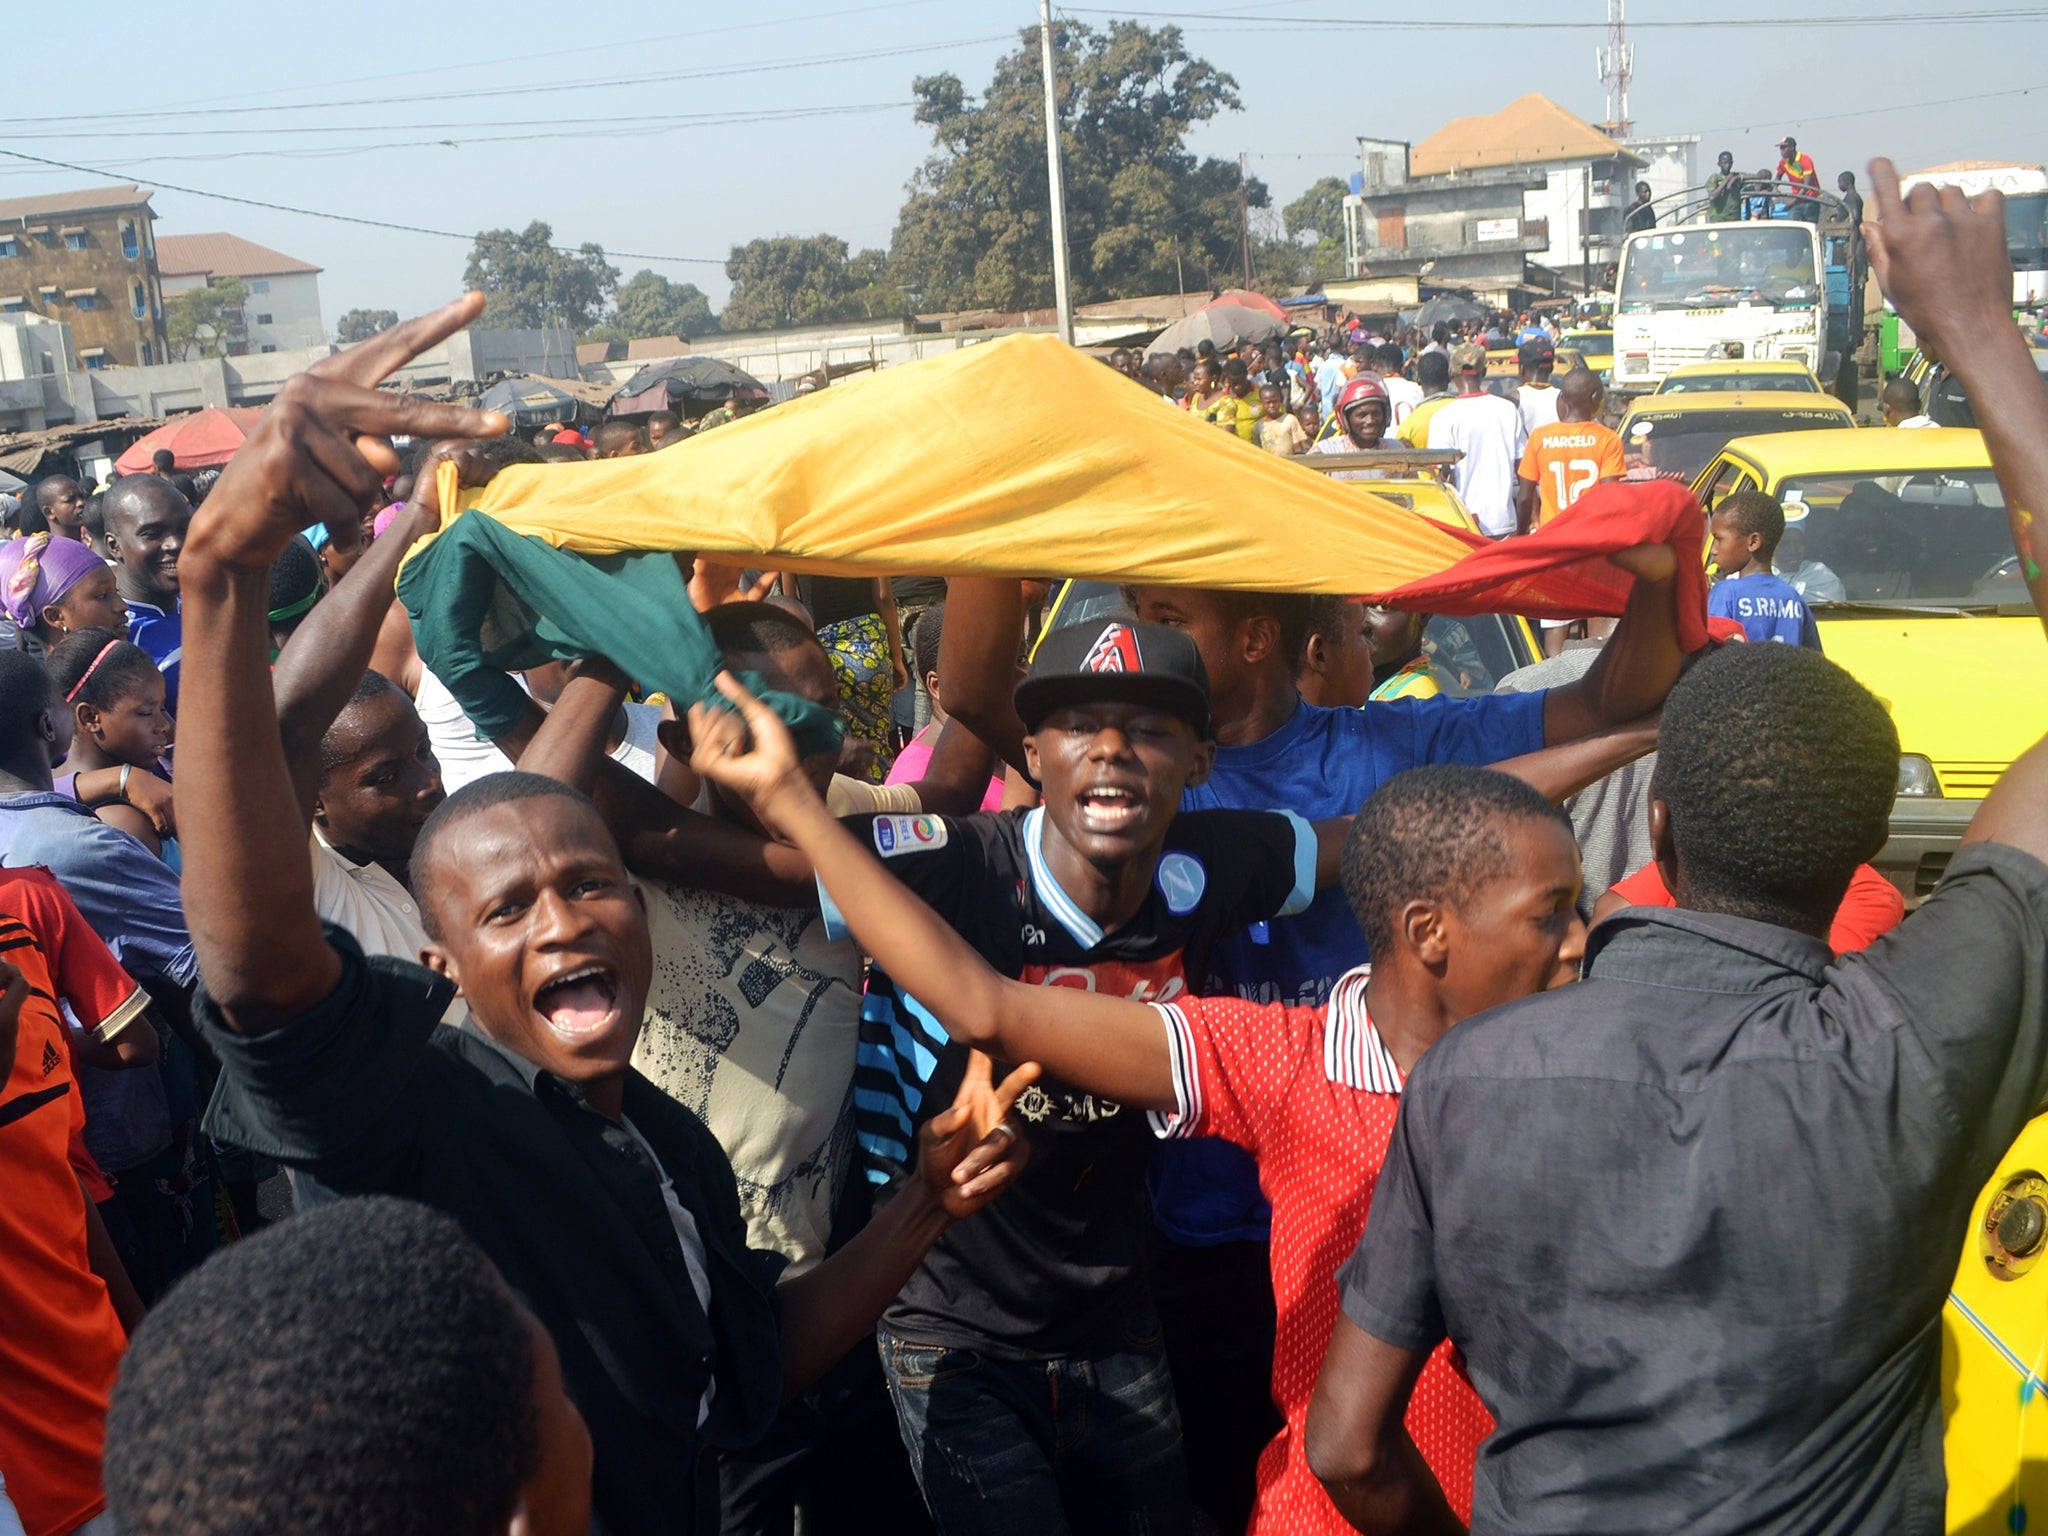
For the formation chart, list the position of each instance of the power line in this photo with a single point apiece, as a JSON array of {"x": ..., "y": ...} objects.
[
  {"x": 612, "y": 82},
  {"x": 1409, "y": 24},
  {"x": 1903, "y": 106},
  {"x": 633, "y": 128},
  {"x": 641, "y": 43},
  {"x": 650, "y": 121},
  {"x": 340, "y": 218}
]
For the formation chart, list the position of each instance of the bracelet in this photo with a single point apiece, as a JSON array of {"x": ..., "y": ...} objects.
[{"x": 126, "y": 769}]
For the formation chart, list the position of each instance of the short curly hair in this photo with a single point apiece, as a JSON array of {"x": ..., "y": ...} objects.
[
  {"x": 1434, "y": 833},
  {"x": 360, "y": 1367},
  {"x": 1777, "y": 770},
  {"x": 1753, "y": 512}
]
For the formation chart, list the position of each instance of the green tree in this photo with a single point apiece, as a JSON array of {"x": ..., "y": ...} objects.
[
  {"x": 1312, "y": 246},
  {"x": 1144, "y": 215},
  {"x": 529, "y": 283},
  {"x": 362, "y": 324},
  {"x": 208, "y": 321},
  {"x": 648, "y": 304},
  {"x": 1318, "y": 212},
  {"x": 806, "y": 280}
]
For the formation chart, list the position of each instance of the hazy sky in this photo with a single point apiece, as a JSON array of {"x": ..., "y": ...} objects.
[{"x": 615, "y": 123}]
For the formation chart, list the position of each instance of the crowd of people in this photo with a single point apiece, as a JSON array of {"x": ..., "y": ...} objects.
[{"x": 1172, "y": 1089}]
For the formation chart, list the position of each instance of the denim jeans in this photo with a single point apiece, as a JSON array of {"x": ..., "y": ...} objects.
[{"x": 1082, "y": 1447}]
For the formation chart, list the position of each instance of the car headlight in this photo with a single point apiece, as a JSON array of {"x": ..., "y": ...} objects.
[
  {"x": 1916, "y": 776},
  {"x": 1635, "y": 362}
]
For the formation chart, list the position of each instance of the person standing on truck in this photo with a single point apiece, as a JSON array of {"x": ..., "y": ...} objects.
[
  {"x": 1724, "y": 191},
  {"x": 1640, "y": 214},
  {"x": 1800, "y": 179}
]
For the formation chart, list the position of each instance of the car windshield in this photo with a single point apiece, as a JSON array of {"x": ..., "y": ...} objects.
[
  {"x": 1933, "y": 537},
  {"x": 1680, "y": 442},
  {"x": 1748, "y": 383},
  {"x": 1767, "y": 263},
  {"x": 1601, "y": 342}
]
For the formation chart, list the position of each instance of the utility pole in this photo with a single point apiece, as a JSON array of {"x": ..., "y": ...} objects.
[
  {"x": 1244, "y": 218},
  {"x": 1063, "y": 296},
  {"x": 1586, "y": 235}
]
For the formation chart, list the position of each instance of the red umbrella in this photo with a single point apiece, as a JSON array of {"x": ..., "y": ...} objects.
[
  {"x": 203, "y": 440},
  {"x": 1248, "y": 299}
]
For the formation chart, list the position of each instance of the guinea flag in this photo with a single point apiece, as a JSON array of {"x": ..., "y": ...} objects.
[{"x": 1020, "y": 457}]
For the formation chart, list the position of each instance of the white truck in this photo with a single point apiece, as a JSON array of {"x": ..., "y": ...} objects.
[{"x": 1759, "y": 289}]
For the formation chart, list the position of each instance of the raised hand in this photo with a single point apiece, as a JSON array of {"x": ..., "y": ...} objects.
[
  {"x": 1941, "y": 259},
  {"x": 319, "y": 453},
  {"x": 746, "y": 750},
  {"x": 152, "y": 796},
  {"x": 971, "y": 1153}
]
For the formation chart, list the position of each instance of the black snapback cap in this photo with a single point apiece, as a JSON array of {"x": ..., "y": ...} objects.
[{"x": 1121, "y": 660}]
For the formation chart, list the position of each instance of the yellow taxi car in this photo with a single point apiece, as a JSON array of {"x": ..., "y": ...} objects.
[
  {"x": 1471, "y": 655},
  {"x": 1593, "y": 349},
  {"x": 1899, "y": 543},
  {"x": 1677, "y": 434},
  {"x": 1994, "y": 1350},
  {"x": 1756, "y": 376}
]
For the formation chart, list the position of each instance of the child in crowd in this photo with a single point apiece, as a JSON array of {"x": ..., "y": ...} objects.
[
  {"x": 1746, "y": 528},
  {"x": 1277, "y": 431},
  {"x": 116, "y": 696},
  {"x": 916, "y": 756}
]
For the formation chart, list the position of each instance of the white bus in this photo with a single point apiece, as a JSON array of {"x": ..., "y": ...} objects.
[{"x": 2026, "y": 214}]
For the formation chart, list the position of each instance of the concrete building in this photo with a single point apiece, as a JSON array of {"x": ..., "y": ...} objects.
[
  {"x": 1531, "y": 183},
  {"x": 88, "y": 259},
  {"x": 283, "y": 308},
  {"x": 43, "y": 382}
]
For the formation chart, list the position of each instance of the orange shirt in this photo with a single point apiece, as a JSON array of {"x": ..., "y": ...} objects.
[
  {"x": 62, "y": 1341},
  {"x": 1566, "y": 459}
]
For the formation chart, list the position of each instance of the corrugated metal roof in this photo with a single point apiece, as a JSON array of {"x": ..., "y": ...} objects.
[
  {"x": 1532, "y": 130},
  {"x": 222, "y": 255},
  {"x": 90, "y": 200}
]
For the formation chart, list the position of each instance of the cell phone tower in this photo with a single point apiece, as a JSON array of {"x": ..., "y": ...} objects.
[{"x": 1617, "y": 63}]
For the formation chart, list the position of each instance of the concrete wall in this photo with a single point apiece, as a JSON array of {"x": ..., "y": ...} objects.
[
  {"x": 550, "y": 353},
  {"x": 1673, "y": 164},
  {"x": 783, "y": 355},
  {"x": 291, "y": 300},
  {"x": 42, "y": 382},
  {"x": 1565, "y": 197}
]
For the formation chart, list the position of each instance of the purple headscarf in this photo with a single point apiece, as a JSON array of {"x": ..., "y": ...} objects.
[{"x": 38, "y": 570}]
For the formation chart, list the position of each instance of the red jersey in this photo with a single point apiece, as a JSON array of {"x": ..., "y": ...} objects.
[
  {"x": 61, "y": 1342},
  {"x": 1871, "y": 907},
  {"x": 1310, "y": 1092}
]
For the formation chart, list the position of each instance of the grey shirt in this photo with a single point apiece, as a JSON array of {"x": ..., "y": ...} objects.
[
  {"x": 1692, "y": 1221},
  {"x": 1611, "y": 816}
]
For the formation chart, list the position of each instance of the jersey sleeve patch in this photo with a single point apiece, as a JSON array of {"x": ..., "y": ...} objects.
[{"x": 896, "y": 835}]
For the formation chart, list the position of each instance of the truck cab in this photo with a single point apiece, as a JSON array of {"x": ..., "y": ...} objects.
[{"x": 1702, "y": 292}]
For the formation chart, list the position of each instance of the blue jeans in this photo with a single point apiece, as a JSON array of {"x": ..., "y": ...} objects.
[{"x": 1043, "y": 1447}]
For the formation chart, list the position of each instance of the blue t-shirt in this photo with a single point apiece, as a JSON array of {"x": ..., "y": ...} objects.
[
  {"x": 1321, "y": 763},
  {"x": 1767, "y": 608},
  {"x": 128, "y": 897},
  {"x": 161, "y": 637}
]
